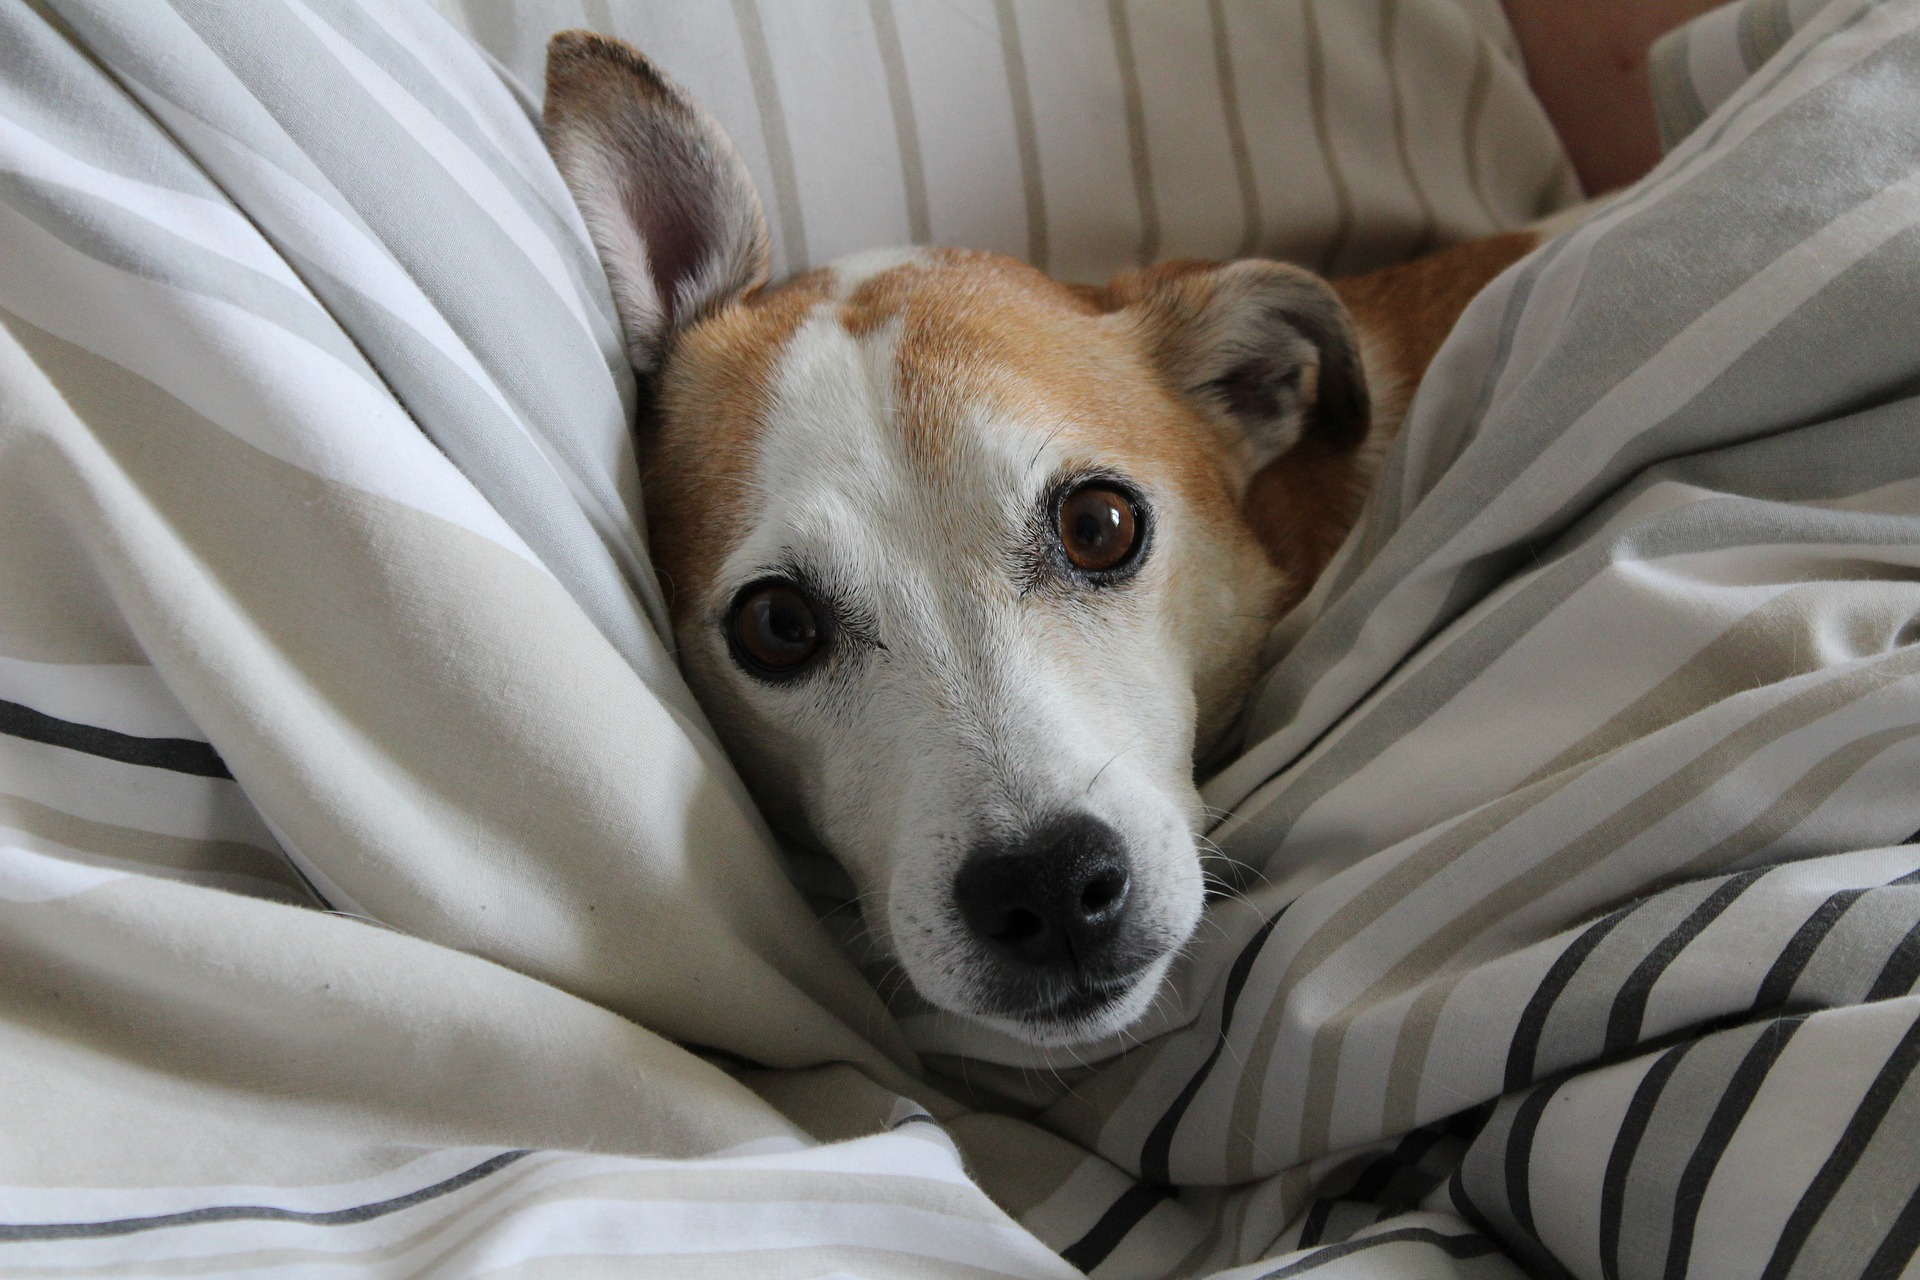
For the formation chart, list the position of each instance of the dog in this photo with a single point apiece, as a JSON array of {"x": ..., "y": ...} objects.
[{"x": 967, "y": 564}]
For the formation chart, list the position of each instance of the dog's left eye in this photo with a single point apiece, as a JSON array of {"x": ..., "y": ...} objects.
[
  {"x": 1099, "y": 528},
  {"x": 775, "y": 629}
]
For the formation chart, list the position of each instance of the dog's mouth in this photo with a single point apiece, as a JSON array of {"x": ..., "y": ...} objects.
[
  {"x": 1084, "y": 1003},
  {"x": 1066, "y": 1008},
  {"x": 1079, "y": 1012}
]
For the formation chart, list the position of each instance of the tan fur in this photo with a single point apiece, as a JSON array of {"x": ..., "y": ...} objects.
[
  {"x": 982, "y": 328},
  {"x": 697, "y": 456}
]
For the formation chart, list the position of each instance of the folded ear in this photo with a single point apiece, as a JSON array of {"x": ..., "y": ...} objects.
[
  {"x": 667, "y": 199},
  {"x": 1263, "y": 349}
]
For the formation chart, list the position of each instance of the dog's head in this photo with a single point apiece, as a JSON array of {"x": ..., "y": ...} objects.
[{"x": 954, "y": 550}]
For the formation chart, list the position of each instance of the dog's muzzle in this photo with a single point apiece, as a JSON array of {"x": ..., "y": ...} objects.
[{"x": 1051, "y": 909}]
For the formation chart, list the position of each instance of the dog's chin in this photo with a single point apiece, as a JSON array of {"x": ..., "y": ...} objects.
[{"x": 1083, "y": 1016}]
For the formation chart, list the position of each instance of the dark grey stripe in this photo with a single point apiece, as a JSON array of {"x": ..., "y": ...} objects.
[
  {"x": 906, "y": 127},
  {"x": 1122, "y": 1216},
  {"x": 1629, "y": 1009},
  {"x": 1156, "y": 1151},
  {"x": 773, "y": 128},
  {"x": 1251, "y": 231},
  {"x": 1777, "y": 986},
  {"x": 1020, "y": 98},
  {"x": 177, "y": 755},
  {"x": 1626, "y": 1146},
  {"x": 1815, "y": 1201},
  {"x": 1728, "y": 1113},
  {"x": 18, "y": 1232},
  {"x": 1462, "y": 1246},
  {"x": 1525, "y": 1047},
  {"x": 1136, "y": 115}
]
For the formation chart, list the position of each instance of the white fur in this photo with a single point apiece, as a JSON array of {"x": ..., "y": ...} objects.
[{"x": 987, "y": 709}]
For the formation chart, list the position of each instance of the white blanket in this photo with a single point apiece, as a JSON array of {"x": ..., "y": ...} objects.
[{"x": 1579, "y": 935}]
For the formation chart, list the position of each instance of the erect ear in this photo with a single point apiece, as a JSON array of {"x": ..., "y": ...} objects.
[
  {"x": 667, "y": 199},
  {"x": 1263, "y": 349}
]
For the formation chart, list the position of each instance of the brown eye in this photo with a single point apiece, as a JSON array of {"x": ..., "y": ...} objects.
[
  {"x": 1098, "y": 528},
  {"x": 775, "y": 629}
]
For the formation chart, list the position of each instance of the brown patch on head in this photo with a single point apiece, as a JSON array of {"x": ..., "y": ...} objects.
[
  {"x": 697, "y": 457},
  {"x": 979, "y": 328}
]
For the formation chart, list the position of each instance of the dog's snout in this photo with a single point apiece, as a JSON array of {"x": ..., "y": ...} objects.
[{"x": 1054, "y": 898}]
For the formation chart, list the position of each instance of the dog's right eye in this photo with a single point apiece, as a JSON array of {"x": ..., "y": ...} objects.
[{"x": 775, "y": 630}]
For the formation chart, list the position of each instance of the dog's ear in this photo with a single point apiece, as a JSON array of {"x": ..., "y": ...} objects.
[
  {"x": 1263, "y": 349},
  {"x": 666, "y": 197}
]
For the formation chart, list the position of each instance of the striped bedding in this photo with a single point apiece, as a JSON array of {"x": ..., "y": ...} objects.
[{"x": 374, "y": 900}]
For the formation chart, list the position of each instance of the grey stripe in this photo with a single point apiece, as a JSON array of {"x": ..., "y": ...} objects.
[
  {"x": 1136, "y": 115},
  {"x": 1862, "y": 459},
  {"x": 1020, "y": 98},
  {"x": 1676, "y": 101},
  {"x": 558, "y": 394},
  {"x": 1577, "y": 856},
  {"x": 1725, "y": 666},
  {"x": 1347, "y": 920},
  {"x": 1389, "y": 56},
  {"x": 1856, "y": 1220},
  {"x": 120, "y": 238},
  {"x": 28, "y": 1231},
  {"x": 186, "y": 854},
  {"x": 906, "y": 128},
  {"x": 1768, "y": 388},
  {"x": 56, "y": 93},
  {"x": 773, "y": 128},
  {"x": 1672, "y": 1135},
  {"x": 1764, "y": 27},
  {"x": 1576, "y": 1027},
  {"x": 1323, "y": 135},
  {"x": 1251, "y": 231},
  {"x": 1477, "y": 88},
  {"x": 599, "y": 15},
  {"x": 554, "y": 221},
  {"x": 1843, "y": 968}
]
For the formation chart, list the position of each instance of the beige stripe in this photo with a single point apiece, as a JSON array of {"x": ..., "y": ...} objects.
[
  {"x": 906, "y": 126},
  {"x": 1020, "y": 97},
  {"x": 1574, "y": 859},
  {"x": 1345, "y": 923},
  {"x": 1236, "y": 132},
  {"x": 1795, "y": 805},
  {"x": 773, "y": 128},
  {"x": 1389, "y": 54},
  {"x": 1323, "y": 135},
  {"x": 1136, "y": 113},
  {"x": 1759, "y": 641},
  {"x": 165, "y": 852},
  {"x": 1477, "y": 90}
]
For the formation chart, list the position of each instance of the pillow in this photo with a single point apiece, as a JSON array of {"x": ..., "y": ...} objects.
[{"x": 1090, "y": 137}]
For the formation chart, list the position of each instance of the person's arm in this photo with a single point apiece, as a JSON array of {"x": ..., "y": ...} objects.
[{"x": 1587, "y": 62}]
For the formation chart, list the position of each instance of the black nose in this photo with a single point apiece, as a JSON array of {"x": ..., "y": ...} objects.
[{"x": 1054, "y": 897}]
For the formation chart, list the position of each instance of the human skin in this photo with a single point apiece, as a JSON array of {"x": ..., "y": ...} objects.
[{"x": 1587, "y": 63}]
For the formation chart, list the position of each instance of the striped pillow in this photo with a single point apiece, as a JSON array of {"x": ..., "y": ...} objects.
[{"x": 1089, "y": 137}]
